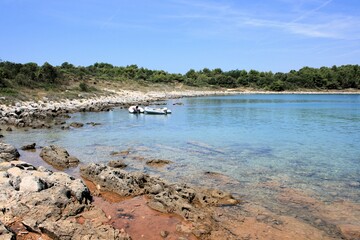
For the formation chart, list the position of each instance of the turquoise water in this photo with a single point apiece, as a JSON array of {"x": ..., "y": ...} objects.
[{"x": 308, "y": 142}]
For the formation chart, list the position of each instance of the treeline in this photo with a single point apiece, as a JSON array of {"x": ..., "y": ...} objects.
[{"x": 34, "y": 76}]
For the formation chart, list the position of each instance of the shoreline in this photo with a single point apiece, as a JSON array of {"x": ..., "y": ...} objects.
[{"x": 45, "y": 112}]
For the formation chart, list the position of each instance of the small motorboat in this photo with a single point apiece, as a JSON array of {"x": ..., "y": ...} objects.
[
  {"x": 149, "y": 110},
  {"x": 136, "y": 109}
]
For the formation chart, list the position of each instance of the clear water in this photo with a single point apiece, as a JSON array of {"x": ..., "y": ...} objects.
[{"x": 309, "y": 142}]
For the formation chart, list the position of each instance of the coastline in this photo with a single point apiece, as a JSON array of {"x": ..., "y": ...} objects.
[
  {"x": 246, "y": 219},
  {"x": 41, "y": 113}
]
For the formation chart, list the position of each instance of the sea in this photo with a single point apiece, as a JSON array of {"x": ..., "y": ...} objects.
[{"x": 238, "y": 143}]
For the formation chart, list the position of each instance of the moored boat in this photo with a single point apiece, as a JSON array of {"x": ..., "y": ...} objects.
[{"x": 149, "y": 110}]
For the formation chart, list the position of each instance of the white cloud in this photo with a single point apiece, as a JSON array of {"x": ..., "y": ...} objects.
[{"x": 312, "y": 22}]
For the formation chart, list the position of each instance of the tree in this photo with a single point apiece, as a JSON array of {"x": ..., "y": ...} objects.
[{"x": 48, "y": 73}]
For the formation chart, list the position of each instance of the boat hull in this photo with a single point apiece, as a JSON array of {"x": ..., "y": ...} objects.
[{"x": 157, "y": 111}]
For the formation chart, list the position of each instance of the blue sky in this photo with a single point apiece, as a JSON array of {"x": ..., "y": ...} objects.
[{"x": 177, "y": 35}]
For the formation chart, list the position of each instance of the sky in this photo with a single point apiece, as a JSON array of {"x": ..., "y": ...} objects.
[{"x": 179, "y": 35}]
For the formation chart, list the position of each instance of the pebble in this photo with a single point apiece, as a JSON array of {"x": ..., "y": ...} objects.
[{"x": 164, "y": 234}]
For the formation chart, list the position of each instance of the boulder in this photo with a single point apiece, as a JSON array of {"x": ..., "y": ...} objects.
[
  {"x": 8, "y": 152},
  {"x": 58, "y": 157}
]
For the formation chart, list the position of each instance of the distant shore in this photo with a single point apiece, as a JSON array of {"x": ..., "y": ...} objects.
[{"x": 40, "y": 113}]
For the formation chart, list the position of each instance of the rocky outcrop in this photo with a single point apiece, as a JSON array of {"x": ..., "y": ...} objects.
[
  {"x": 39, "y": 201},
  {"x": 8, "y": 152},
  {"x": 190, "y": 203},
  {"x": 58, "y": 157}
]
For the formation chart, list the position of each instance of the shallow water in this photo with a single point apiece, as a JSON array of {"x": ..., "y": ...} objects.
[{"x": 307, "y": 142}]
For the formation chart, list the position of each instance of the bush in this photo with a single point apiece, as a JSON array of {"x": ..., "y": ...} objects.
[{"x": 84, "y": 87}]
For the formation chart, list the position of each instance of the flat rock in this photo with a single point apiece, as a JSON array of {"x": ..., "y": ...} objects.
[
  {"x": 158, "y": 162},
  {"x": 192, "y": 204},
  {"x": 58, "y": 157},
  {"x": 76, "y": 124}
]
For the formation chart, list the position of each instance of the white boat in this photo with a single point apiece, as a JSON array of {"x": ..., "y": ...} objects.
[
  {"x": 136, "y": 109},
  {"x": 149, "y": 110}
]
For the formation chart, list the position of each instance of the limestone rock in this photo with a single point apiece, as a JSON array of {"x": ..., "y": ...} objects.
[
  {"x": 117, "y": 164},
  {"x": 58, "y": 157},
  {"x": 5, "y": 234},
  {"x": 32, "y": 184},
  {"x": 8, "y": 152},
  {"x": 47, "y": 202}
]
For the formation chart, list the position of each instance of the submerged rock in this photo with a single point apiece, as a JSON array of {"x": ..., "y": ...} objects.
[
  {"x": 29, "y": 147},
  {"x": 158, "y": 162},
  {"x": 58, "y": 157},
  {"x": 76, "y": 124}
]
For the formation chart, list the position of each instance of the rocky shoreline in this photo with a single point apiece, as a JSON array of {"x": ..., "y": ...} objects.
[
  {"x": 45, "y": 113},
  {"x": 53, "y": 205}
]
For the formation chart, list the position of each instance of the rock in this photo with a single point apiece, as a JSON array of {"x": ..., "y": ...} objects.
[
  {"x": 354, "y": 184},
  {"x": 8, "y": 152},
  {"x": 76, "y": 124},
  {"x": 49, "y": 202},
  {"x": 32, "y": 184},
  {"x": 28, "y": 147},
  {"x": 163, "y": 197},
  {"x": 164, "y": 234},
  {"x": 1, "y": 136},
  {"x": 58, "y": 157},
  {"x": 350, "y": 231},
  {"x": 117, "y": 164},
  {"x": 157, "y": 162},
  {"x": 93, "y": 123},
  {"x": 116, "y": 180},
  {"x": 5, "y": 234},
  {"x": 9, "y": 129},
  {"x": 155, "y": 189}
]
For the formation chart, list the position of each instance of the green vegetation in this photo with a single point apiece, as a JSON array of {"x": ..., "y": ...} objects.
[{"x": 30, "y": 75}]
